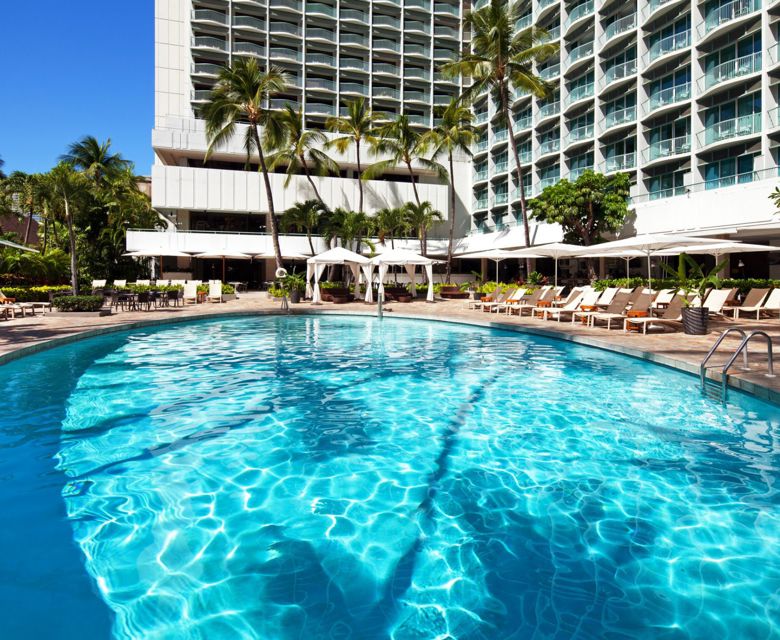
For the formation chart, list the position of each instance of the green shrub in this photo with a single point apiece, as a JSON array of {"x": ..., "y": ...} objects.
[
  {"x": 32, "y": 294},
  {"x": 78, "y": 303},
  {"x": 743, "y": 284},
  {"x": 226, "y": 288},
  {"x": 276, "y": 292},
  {"x": 141, "y": 288}
]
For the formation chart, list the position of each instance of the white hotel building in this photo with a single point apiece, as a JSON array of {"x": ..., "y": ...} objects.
[{"x": 682, "y": 95}]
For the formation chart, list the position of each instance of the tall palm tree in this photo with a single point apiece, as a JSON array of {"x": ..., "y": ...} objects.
[
  {"x": 453, "y": 134},
  {"x": 301, "y": 150},
  {"x": 404, "y": 145},
  {"x": 390, "y": 221},
  {"x": 303, "y": 215},
  {"x": 70, "y": 186},
  {"x": 347, "y": 226},
  {"x": 20, "y": 189},
  {"x": 422, "y": 217},
  {"x": 356, "y": 128},
  {"x": 501, "y": 59},
  {"x": 2, "y": 164},
  {"x": 239, "y": 96},
  {"x": 95, "y": 159}
]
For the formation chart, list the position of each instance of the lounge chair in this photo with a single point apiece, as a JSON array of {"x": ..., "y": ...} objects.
[
  {"x": 616, "y": 308},
  {"x": 663, "y": 299},
  {"x": 98, "y": 284},
  {"x": 190, "y": 293},
  {"x": 513, "y": 294},
  {"x": 518, "y": 297},
  {"x": 473, "y": 304},
  {"x": 672, "y": 316},
  {"x": 607, "y": 296},
  {"x": 145, "y": 283},
  {"x": 588, "y": 299},
  {"x": 717, "y": 299},
  {"x": 16, "y": 307},
  {"x": 530, "y": 303},
  {"x": 754, "y": 302},
  {"x": 215, "y": 291},
  {"x": 119, "y": 284},
  {"x": 642, "y": 303},
  {"x": 499, "y": 297}
]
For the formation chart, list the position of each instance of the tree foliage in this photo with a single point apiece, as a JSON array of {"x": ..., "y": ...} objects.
[{"x": 590, "y": 206}]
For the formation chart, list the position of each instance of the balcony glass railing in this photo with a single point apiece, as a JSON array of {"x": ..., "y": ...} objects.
[
  {"x": 207, "y": 15},
  {"x": 482, "y": 203},
  {"x": 206, "y": 42},
  {"x": 383, "y": 67},
  {"x": 415, "y": 72},
  {"x": 387, "y": 21},
  {"x": 733, "y": 128},
  {"x": 583, "y": 132},
  {"x": 295, "y": 5},
  {"x": 548, "y": 182},
  {"x": 548, "y": 73},
  {"x": 619, "y": 71},
  {"x": 248, "y": 22},
  {"x": 546, "y": 3},
  {"x": 577, "y": 172},
  {"x": 319, "y": 7},
  {"x": 554, "y": 33},
  {"x": 730, "y": 181},
  {"x": 524, "y": 22},
  {"x": 285, "y": 27},
  {"x": 671, "y": 43},
  {"x": 353, "y": 38},
  {"x": 733, "y": 69},
  {"x": 321, "y": 108},
  {"x": 500, "y": 198},
  {"x": 523, "y": 123},
  {"x": 481, "y": 118},
  {"x": 480, "y": 174},
  {"x": 320, "y": 83},
  {"x": 417, "y": 96},
  {"x": 205, "y": 69},
  {"x": 445, "y": 32},
  {"x": 656, "y": 4},
  {"x": 353, "y": 87},
  {"x": 320, "y": 34},
  {"x": 387, "y": 44},
  {"x": 620, "y": 162},
  {"x": 281, "y": 103},
  {"x": 417, "y": 49},
  {"x": 419, "y": 4},
  {"x": 322, "y": 59},
  {"x": 501, "y": 166},
  {"x": 669, "y": 147},
  {"x": 549, "y": 109},
  {"x": 620, "y": 116},
  {"x": 443, "y": 54},
  {"x": 579, "y": 93},
  {"x": 386, "y": 92},
  {"x": 441, "y": 7},
  {"x": 286, "y": 54},
  {"x": 415, "y": 118},
  {"x": 250, "y": 48},
  {"x": 550, "y": 146},
  {"x": 660, "y": 194},
  {"x": 670, "y": 95},
  {"x": 621, "y": 25},
  {"x": 580, "y": 11},
  {"x": 728, "y": 12},
  {"x": 525, "y": 156},
  {"x": 200, "y": 95},
  {"x": 353, "y": 14},
  {"x": 482, "y": 145},
  {"x": 416, "y": 25},
  {"x": 500, "y": 136},
  {"x": 353, "y": 63},
  {"x": 580, "y": 52}
]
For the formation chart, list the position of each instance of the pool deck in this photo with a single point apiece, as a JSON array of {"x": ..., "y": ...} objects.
[{"x": 26, "y": 335}]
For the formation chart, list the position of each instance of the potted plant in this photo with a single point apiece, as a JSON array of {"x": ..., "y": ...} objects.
[
  {"x": 295, "y": 285},
  {"x": 690, "y": 280}
]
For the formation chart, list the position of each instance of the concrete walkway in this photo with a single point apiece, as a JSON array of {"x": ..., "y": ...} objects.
[{"x": 25, "y": 335}]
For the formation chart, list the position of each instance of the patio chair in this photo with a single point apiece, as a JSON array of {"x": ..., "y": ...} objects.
[
  {"x": 119, "y": 283},
  {"x": 215, "y": 291},
  {"x": 144, "y": 299},
  {"x": 769, "y": 305},
  {"x": 618, "y": 305},
  {"x": 607, "y": 296},
  {"x": 717, "y": 299},
  {"x": 190, "y": 293},
  {"x": 497, "y": 297},
  {"x": 492, "y": 296},
  {"x": 16, "y": 307},
  {"x": 510, "y": 294},
  {"x": 529, "y": 303},
  {"x": 663, "y": 299},
  {"x": 586, "y": 300},
  {"x": 752, "y": 302},
  {"x": 174, "y": 298},
  {"x": 672, "y": 316},
  {"x": 144, "y": 283},
  {"x": 98, "y": 284},
  {"x": 518, "y": 296}
]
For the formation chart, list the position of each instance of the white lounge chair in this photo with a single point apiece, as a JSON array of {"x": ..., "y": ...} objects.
[
  {"x": 768, "y": 304},
  {"x": 663, "y": 299},
  {"x": 215, "y": 291},
  {"x": 119, "y": 283},
  {"x": 616, "y": 307},
  {"x": 672, "y": 316},
  {"x": 145, "y": 283},
  {"x": 98, "y": 284},
  {"x": 530, "y": 303},
  {"x": 190, "y": 293},
  {"x": 587, "y": 299},
  {"x": 716, "y": 300},
  {"x": 511, "y": 294}
]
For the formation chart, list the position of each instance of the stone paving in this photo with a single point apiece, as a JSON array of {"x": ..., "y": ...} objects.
[{"x": 24, "y": 335}]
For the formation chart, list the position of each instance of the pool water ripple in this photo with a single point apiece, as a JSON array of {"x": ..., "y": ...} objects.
[{"x": 346, "y": 478}]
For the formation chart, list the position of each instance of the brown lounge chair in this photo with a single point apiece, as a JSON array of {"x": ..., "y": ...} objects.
[
  {"x": 640, "y": 304},
  {"x": 528, "y": 303},
  {"x": 754, "y": 302},
  {"x": 671, "y": 317},
  {"x": 616, "y": 307}
]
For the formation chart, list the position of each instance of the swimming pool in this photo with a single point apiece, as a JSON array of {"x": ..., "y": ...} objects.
[{"x": 341, "y": 477}]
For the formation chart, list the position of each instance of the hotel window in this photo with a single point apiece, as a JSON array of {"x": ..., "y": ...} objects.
[
  {"x": 729, "y": 171},
  {"x": 667, "y": 185}
]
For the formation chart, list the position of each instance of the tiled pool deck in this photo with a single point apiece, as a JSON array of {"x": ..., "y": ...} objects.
[{"x": 21, "y": 336}]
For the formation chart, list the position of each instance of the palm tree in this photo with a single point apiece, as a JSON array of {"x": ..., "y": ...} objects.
[
  {"x": 239, "y": 96},
  {"x": 300, "y": 151},
  {"x": 347, "y": 226},
  {"x": 357, "y": 127},
  {"x": 70, "y": 186},
  {"x": 453, "y": 134},
  {"x": 303, "y": 215},
  {"x": 501, "y": 59},
  {"x": 403, "y": 145},
  {"x": 390, "y": 222},
  {"x": 2, "y": 164},
  {"x": 20, "y": 189},
  {"x": 421, "y": 217},
  {"x": 95, "y": 159}
]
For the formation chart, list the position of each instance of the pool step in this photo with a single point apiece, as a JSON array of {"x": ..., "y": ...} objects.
[{"x": 712, "y": 390}]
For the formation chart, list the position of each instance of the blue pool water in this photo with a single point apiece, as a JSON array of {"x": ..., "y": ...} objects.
[{"x": 343, "y": 478}]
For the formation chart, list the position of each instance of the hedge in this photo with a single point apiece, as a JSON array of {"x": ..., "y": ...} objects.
[
  {"x": 32, "y": 294},
  {"x": 226, "y": 288},
  {"x": 78, "y": 303},
  {"x": 742, "y": 284}
]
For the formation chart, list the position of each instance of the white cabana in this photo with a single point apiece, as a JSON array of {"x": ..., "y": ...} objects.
[
  {"x": 339, "y": 255},
  {"x": 409, "y": 260},
  {"x": 649, "y": 244},
  {"x": 555, "y": 250}
]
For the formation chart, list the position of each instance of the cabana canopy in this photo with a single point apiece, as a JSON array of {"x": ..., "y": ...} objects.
[
  {"x": 338, "y": 255},
  {"x": 409, "y": 260}
]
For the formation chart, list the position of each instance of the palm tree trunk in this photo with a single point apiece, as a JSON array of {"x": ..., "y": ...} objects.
[
  {"x": 452, "y": 219},
  {"x": 29, "y": 226},
  {"x": 305, "y": 166},
  {"x": 421, "y": 234},
  {"x": 74, "y": 271},
  {"x": 311, "y": 244},
  {"x": 45, "y": 229},
  {"x": 414, "y": 184},
  {"x": 523, "y": 207},
  {"x": 270, "y": 196},
  {"x": 360, "y": 176}
]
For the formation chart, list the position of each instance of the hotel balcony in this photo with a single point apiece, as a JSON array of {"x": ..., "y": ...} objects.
[
  {"x": 618, "y": 27},
  {"x": 622, "y": 162},
  {"x": 549, "y": 147},
  {"x": 619, "y": 117},
  {"x": 578, "y": 134},
  {"x": 578, "y": 13},
  {"x": 669, "y": 96},
  {"x": 727, "y": 129},
  {"x": 665, "y": 46},
  {"x": 727, "y": 13},
  {"x": 618, "y": 72},
  {"x": 731, "y": 70},
  {"x": 668, "y": 148},
  {"x": 550, "y": 109}
]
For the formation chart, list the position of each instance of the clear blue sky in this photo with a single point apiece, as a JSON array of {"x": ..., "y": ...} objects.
[{"x": 73, "y": 68}]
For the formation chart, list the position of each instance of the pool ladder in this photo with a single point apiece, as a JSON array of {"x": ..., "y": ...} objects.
[{"x": 711, "y": 388}]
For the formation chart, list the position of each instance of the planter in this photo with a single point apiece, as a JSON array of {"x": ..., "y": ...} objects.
[
  {"x": 695, "y": 320},
  {"x": 404, "y": 298},
  {"x": 226, "y": 297},
  {"x": 295, "y": 296},
  {"x": 453, "y": 293},
  {"x": 341, "y": 299}
]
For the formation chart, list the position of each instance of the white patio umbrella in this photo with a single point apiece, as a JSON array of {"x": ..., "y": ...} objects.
[
  {"x": 719, "y": 249},
  {"x": 627, "y": 254},
  {"x": 338, "y": 255},
  {"x": 227, "y": 255},
  {"x": 648, "y": 244},
  {"x": 21, "y": 247},
  {"x": 497, "y": 255},
  {"x": 555, "y": 250},
  {"x": 158, "y": 253},
  {"x": 286, "y": 255},
  {"x": 409, "y": 260}
]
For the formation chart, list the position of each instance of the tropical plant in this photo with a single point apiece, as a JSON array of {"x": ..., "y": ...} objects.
[
  {"x": 71, "y": 187},
  {"x": 303, "y": 216},
  {"x": 34, "y": 267},
  {"x": 300, "y": 150},
  {"x": 95, "y": 159},
  {"x": 2, "y": 164},
  {"x": 453, "y": 134},
  {"x": 356, "y": 128},
  {"x": 21, "y": 193},
  {"x": 501, "y": 60},
  {"x": 690, "y": 279},
  {"x": 239, "y": 96},
  {"x": 422, "y": 217},
  {"x": 77, "y": 303},
  {"x": 349, "y": 227},
  {"x": 390, "y": 221},
  {"x": 404, "y": 145}
]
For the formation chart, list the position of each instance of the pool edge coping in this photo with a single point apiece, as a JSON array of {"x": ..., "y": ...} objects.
[{"x": 746, "y": 386}]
